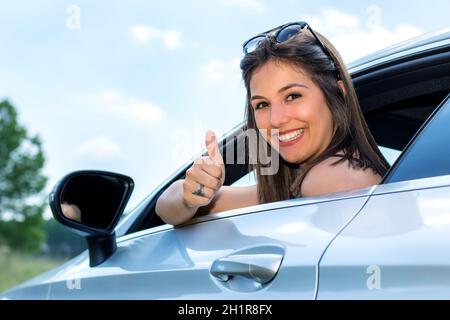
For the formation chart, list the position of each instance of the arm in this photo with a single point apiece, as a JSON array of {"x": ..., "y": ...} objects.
[
  {"x": 179, "y": 203},
  {"x": 173, "y": 210},
  {"x": 171, "y": 207},
  {"x": 229, "y": 198}
]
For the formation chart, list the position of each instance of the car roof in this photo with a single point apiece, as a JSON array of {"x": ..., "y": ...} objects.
[{"x": 423, "y": 43}]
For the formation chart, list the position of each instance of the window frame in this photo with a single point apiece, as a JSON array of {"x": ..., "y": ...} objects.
[{"x": 413, "y": 142}]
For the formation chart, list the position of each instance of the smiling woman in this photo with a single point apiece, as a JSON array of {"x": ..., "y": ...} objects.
[
  {"x": 302, "y": 103},
  {"x": 300, "y": 93}
]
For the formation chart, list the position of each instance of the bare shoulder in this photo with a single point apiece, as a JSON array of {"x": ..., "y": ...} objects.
[
  {"x": 326, "y": 178},
  {"x": 229, "y": 198}
]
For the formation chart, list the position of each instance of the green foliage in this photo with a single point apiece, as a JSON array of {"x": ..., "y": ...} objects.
[
  {"x": 61, "y": 243},
  {"x": 21, "y": 184},
  {"x": 16, "y": 267}
]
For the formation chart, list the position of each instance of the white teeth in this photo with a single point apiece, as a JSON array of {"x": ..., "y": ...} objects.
[{"x": 291, "y": 135}]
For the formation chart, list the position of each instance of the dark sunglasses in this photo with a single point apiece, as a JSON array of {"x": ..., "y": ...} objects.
[{"x": 284, "y": 33}]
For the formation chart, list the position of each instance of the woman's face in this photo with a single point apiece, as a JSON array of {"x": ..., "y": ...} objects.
[{"x": 290, "y": 111}]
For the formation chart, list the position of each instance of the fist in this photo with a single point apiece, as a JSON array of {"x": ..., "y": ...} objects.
[{"x": 206, "y": 176}]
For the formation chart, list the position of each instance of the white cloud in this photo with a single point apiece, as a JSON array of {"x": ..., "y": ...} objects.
[
  {"x": 353, "y": 38},
  {"x": 139, "y": 112},
  {"x": 98, "y": 147},
  {"x": 144, "y": 33},
  {"x": 255, "y": 5},
  {"x": 144, "y": 112},
  {"x": 220, "y": 87},
  {"x": 109, "y": 96},
  {"x": 218, "y": 70},
  {"x": 172, "y": 39}
]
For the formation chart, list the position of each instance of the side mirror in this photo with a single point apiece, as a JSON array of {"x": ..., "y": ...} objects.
[{"x": 91, "y": 203}]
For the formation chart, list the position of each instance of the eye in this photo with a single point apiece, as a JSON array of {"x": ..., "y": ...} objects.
[
  {"x": 293, "y": 96},
  {"x": 261, "y": 105}
]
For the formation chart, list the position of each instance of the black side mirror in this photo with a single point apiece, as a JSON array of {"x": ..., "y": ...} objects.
[{"x": 91, "y": 203}]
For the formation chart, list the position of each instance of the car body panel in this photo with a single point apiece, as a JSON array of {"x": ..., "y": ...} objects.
[
  {"x": 396, "y": 246},
  {"x": 402, "y": 237},
  {"x": 174, "y": 263}
]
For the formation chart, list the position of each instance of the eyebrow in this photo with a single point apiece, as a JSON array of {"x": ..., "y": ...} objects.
[
  {"x": 286, "y": 87},
  {"x": 290, "y": 85}
]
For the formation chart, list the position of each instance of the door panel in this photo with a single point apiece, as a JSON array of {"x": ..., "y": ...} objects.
[
  {"x": 176, "y": 263},
  {"x": 397, "y": 247}
]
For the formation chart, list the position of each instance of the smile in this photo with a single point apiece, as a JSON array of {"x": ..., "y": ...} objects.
[{"x": 291, "y": 135}]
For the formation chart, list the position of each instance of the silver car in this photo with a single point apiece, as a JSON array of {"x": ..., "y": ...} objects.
[{"x": 390, "y": 241}]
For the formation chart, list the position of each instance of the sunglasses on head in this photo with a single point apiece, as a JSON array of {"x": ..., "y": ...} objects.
[{"x": 282, "y": 34}]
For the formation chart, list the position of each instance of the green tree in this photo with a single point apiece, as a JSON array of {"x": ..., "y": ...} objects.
[
  {"x": 60, "y": 243},
  {"x": 22, "y": 201}
]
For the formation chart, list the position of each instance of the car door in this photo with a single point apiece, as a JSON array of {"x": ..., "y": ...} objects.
[
  {"x": 397, "y": 246},
  {"x": 267, "y": 251}
]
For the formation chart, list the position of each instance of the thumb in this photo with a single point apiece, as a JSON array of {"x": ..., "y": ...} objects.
[{"x": 212, "y": 146}]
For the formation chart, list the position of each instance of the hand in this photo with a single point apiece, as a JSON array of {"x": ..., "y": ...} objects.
[
  {"x": 207, "y": 171},
  {"x": 71, "y": 211}
]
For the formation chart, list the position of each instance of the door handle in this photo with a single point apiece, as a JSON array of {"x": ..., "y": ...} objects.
[{"x": 260, "y": 264}]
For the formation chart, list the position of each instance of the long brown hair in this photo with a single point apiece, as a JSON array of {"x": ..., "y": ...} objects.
[{"x": 352, "y": 135}]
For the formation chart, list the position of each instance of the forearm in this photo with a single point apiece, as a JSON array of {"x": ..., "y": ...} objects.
[{"x": 170, "y": 206}]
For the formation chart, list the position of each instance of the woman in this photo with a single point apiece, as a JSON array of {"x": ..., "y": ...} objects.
[{"x": 301, "y": 100}]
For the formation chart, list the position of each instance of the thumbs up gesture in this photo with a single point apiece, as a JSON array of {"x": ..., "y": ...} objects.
[
  {"x": 206, "y": 176},
  {"x": 213, "y": 147}
]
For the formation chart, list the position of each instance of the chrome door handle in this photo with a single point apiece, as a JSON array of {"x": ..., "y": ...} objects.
[{"x": 260, "y": 264}]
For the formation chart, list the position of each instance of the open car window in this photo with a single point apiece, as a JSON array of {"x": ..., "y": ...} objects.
[
  {"x": 396, "y": 97},
  {"x": 428, "y": 155},
  {"x": 390, "y": 154},
  {"x": 247, "y": 180}
]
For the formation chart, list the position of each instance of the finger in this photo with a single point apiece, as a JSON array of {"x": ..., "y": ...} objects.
[
  {"x": 192, "y": 200},
  {"x": 192, "y": 186},
  {"x": 198, "y": 175},
  {"x": 200, "y": 161},
  {"x": 197, "y": 200},
  {"x": 212, "y": 168},
  {"x": 212, "y": 146}
]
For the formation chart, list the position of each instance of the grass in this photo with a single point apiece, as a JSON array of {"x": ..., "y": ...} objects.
[{"x": 16, "y": 268}]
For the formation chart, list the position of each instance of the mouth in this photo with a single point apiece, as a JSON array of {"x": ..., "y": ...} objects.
[{"x": 290, "y": 136}]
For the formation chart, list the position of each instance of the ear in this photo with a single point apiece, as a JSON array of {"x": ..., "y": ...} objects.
[{"x": 342, "y": 87}]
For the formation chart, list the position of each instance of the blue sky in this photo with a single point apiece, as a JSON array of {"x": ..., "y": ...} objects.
[{"x": 132, "y": 86}]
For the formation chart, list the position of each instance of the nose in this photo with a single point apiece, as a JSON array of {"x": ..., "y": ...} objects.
[{"x": 279, "y": 115}]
